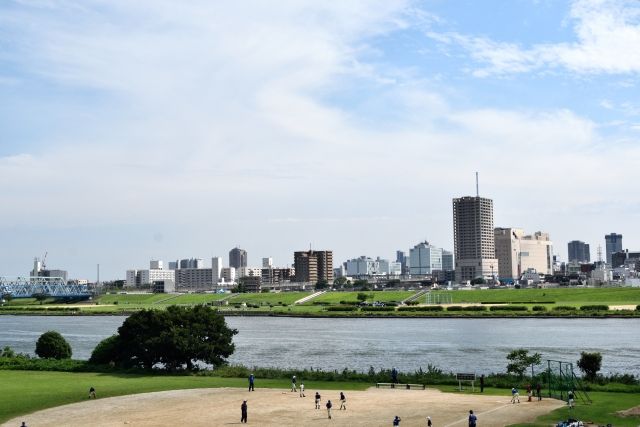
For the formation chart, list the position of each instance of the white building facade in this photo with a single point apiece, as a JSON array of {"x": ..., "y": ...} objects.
[{"x": 424, "y": 259}]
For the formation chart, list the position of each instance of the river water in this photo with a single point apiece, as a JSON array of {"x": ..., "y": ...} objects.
[{"x": 456, "y": 345}]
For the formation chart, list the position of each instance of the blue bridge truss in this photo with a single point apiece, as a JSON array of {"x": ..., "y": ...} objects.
[{"x": 55, "y": 287}]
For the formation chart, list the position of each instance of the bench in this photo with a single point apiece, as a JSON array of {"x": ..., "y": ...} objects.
[{"x": 405, "y": 386}]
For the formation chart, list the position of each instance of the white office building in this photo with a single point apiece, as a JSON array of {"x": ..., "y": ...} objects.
[
  {"x": 248, "y": 272},
  {"x": 424, "y": 259},
  {"x": 147, "y": 277},
  {"x": 518, "y": 253},
  {"x": 216, "y": 267},
  {"x": 228, "y": 274}
]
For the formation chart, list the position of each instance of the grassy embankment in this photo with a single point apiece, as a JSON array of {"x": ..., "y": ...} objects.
[
  {"x": 28, "y": 391},
  {"x": 522, "y": 302}
]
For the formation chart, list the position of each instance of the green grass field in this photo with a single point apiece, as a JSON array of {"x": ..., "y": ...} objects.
[
  {"x": 28, "y": 391},
  {"x": 269, "y": 298},
  {"x": 383, "y": 296},
  {"x": 561, "y": 296}
]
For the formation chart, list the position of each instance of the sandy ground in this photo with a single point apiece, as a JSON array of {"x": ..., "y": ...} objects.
[
  {"x": 269, "y": 407},
  {"x": 623, "y": 307}
]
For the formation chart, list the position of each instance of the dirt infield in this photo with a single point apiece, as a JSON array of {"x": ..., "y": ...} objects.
[{"x": 269, "y": 407}]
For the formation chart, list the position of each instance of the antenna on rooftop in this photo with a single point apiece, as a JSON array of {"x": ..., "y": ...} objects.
[{"x": 477, "y": 186}]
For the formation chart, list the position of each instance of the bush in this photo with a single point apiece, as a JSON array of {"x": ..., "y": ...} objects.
[
  {"x": 508, "y": 308},
  {"x": 637, "y": 307},
  {"x": 539, "y": 308},
  {"x": 590, "y": 364},
  {"x": 423, "y": 308},
  {"x": 106, "y": 351},
  {"x": 52, "y": 345},
  {"x": 564, "y": 308},
  {"x": 412, "y": 302},
  {"x": 342, "y": 308},
  {"x": 378, "y": 309},
  {"x": 594, "y": 307}
]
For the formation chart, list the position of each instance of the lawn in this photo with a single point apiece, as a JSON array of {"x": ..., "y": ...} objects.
[
  {"x": 336, "y": 297},
  {"x": 270, "y": 297},
  {"x": 192, "y": 299},
  {"x": 562, "y": 296},
  {"x": 135, "y": 299},
  {"x": 28, "y": 391}
]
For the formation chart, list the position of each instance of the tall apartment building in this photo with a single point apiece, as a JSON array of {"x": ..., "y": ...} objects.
[
  {"x": 147, "y": 277},
  {"x": 248, "y": 272},
  {"x": 578, "y": 251},
  {"x": 424, "y": 259},
  {"x": 237, "y": 258},
  {"x": 194, "y": 279},
  {"x": 517, "y": 252},
  {"x": 313, "y": 266},
  {"x": 473, "y": 238},
  {"x": 275, "y": 276},
  {"x": 613, "y": 243}
]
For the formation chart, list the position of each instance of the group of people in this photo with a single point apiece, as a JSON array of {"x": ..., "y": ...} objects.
[
  {"x": 515, "y": 395},
  {"x": 294, "y": 388}
]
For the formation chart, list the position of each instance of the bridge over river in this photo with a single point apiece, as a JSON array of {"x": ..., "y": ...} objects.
[{"x": 56, "y": 287}]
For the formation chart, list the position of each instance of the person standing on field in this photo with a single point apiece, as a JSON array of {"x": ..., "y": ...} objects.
[
  {"x": 570, "y": 400},
  {"x": 329, "y": 406},
  {"x": 515, "y": 396},
  {"x": 429, "y": 423},
  {"x": 302, "y": 390},
  {"x": 251, "y": 380},
  {"x": 538, "y": 391},
  {"x": 92, "y": 393},
  {"x": 243, "y": 410},
  {"x": 343, "y": 401},
  {"x": 293, "y": 383},
  {"x": 317, "y": 400},
  {"x": 396, "y": 421},
  {"x": 472, "y": 419}
]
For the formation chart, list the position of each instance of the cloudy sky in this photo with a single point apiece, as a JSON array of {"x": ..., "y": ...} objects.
[{"x": 132, "y": 130}]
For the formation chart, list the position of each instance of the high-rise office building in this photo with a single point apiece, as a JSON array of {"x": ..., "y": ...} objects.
[
  {"x": 403, "y": 259},
  {"x": 237, "y": 258},
  {"x": 578, "y": 251},
  {"x": 475, "y": 252},
  {"x": 613, "y": 244},
  {"x": 517, "y": 252},
  {"x": 424, "y": 259},
  {"x": 313, "y": 266}
]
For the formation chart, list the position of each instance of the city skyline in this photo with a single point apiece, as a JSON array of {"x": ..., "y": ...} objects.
[{"x": 155, "y": 129}]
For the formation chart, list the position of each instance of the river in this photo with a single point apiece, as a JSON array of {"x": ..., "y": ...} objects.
[{"x": 456, "y": 345}]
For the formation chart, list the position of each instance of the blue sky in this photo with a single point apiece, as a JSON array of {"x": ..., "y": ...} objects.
[{"x": 162, "y": 129}]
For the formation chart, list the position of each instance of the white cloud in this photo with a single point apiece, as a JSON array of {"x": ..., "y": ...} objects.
[{"x": 607, "y": 38}]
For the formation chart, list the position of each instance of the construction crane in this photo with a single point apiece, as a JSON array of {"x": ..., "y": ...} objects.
[{"x": 44, "y": 260}]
